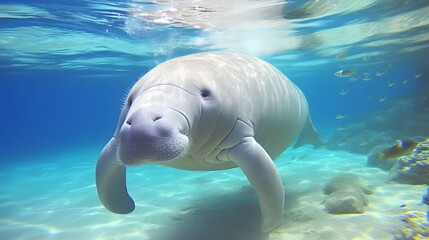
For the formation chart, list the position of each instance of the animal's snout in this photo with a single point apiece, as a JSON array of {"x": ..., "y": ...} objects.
[
  {"x": 151, "y": 134},
  {"x": 144, "y": 126},
  {"x": 144, "y": 116}
]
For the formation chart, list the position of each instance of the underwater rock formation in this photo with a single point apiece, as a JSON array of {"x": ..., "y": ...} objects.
[
  {"x": 411, "y": 168},
  {"x": 416, "y": 225},
  {"x": 346, "y": 194}
]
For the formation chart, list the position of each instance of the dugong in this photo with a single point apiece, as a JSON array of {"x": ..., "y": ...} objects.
[{"x": 208, "y": 111}]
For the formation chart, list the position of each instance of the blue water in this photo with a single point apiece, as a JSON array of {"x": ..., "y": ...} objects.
[
  {"x": 61, "y": 61},
  {"x": 66, "y": 67}
]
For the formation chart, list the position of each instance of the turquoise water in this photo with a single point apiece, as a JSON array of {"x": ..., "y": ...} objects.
[{"x": 66, "y": 67}]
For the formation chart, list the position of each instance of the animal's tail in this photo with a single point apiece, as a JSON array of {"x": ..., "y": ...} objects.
[{"x": 309, "y": 135}]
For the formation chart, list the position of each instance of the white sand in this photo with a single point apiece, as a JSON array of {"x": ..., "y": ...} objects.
[{"x": 55, "y": 198}]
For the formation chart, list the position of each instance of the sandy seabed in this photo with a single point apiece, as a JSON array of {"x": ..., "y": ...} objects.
[{"x": 56, "y": 198}]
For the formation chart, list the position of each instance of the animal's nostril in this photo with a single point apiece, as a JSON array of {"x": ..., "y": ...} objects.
[
  {"x": 157, "y": 117},
  {"x": 128, "y": 121}
]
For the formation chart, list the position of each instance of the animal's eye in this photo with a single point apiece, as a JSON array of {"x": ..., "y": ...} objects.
[
  {"x": 129, "y": 101},
  {"x": 205, "y": 93}
]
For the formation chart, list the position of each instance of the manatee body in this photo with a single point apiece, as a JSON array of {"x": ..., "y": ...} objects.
[{"x": 208, "y": 111}]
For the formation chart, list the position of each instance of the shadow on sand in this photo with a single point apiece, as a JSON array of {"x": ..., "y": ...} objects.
[{"x": 229, "y": 216}]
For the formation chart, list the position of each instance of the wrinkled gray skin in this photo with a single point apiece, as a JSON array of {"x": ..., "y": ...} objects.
[{"x": 208, "y": 111}]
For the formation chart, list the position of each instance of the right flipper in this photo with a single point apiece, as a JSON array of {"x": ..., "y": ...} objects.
[{"x": 111, "y": 182}]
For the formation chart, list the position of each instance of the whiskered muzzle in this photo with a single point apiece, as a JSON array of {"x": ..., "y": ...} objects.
[{"x": 149, "y": 135}]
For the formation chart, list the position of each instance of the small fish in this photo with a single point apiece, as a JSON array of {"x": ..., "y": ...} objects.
[
  {"x": 344, "y": 91},
  {"x": 366, "y": 58},
  {"x": 391, "y": 83},
  {"x": 405, "y": 81},
  {"x": 418, "y": 75},
  {"x": 381, "y": 72},
  {"x": 382, "y": 98},
  {"x": 345, "y": 73},
  {"x": 364, "y": 142},
  {"x": 371, "y": 97},
  {"x": 402, "y": 148},
  {"x": 367, "y": 78},
  {"x": 341, "y": 115},
  {"x": 341, "y": 56},
  {"x": 342, "y": 127},
  {"x": 354, "y": 78}
]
